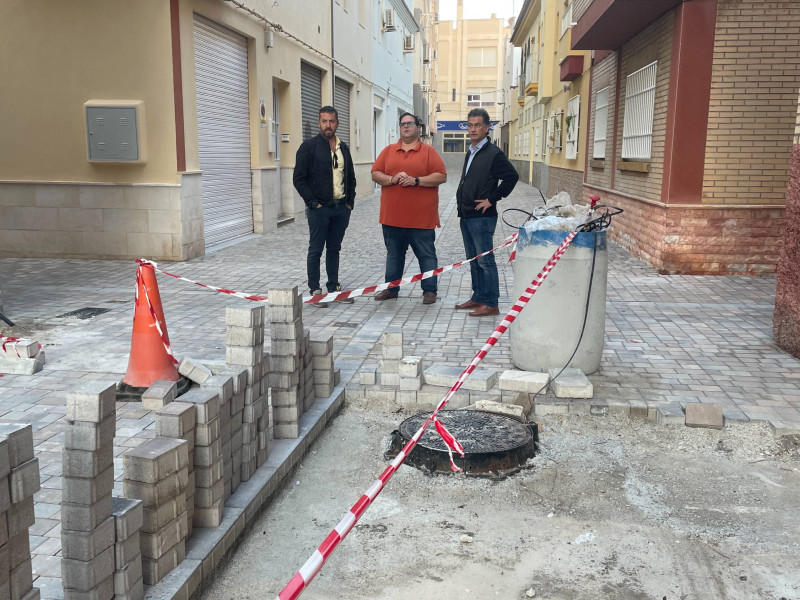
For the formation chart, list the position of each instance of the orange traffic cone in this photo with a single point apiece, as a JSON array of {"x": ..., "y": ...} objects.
[{"x": 151, "y": 357}]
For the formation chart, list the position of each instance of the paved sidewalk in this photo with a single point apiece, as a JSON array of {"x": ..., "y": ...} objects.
[{"x": 668, "y": 338}]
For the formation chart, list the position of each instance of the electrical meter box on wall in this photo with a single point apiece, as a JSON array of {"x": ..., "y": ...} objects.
[{"x": 114, "y": 131}]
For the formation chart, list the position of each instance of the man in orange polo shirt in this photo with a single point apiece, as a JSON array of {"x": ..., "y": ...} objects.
[{"x": 410, "y": 173}]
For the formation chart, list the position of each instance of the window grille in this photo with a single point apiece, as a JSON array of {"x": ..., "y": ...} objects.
[
  {"x": 566, "y": 19},
  {"x": 600, "y": 124},
  {"x": 537, "y": 140},
  {"x": 572, "y": 122},
  {"x": 640, "y": 95}
]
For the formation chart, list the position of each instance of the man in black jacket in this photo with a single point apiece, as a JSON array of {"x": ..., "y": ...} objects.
[
  {"x": 478, "y": 193},
  {"x": 325, "y": 178}
]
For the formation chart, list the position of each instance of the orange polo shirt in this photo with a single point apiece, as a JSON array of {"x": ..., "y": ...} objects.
[{"x": 415, "y": 207}]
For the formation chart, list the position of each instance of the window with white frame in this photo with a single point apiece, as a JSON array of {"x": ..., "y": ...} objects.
[
  {"x": 640, "y": 96},
  {"x": 600, "y": 124},
  {"x": 516, "y": 144},
  {"x": 554, "y": 127},
  {"x": 473, "y": 98},
  {"x": 536, "y": 140},
  {"x": 566, "y": 18},
  {"x": 527, "y": 143},
  {"x": 482, "y": 57},
  {"x": 571, "y": 123}
]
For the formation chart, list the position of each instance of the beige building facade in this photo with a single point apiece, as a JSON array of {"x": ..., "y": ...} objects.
[{"x": 166, "y": 128}]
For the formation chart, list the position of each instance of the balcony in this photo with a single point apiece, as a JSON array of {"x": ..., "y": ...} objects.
[
  {"x": 607, "y": 24},
  {"x": 571, "y": 67},
  {"x": 532, "y": 88}
]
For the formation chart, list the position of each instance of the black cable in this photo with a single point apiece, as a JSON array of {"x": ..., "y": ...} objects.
[{"x": 6, "y": 319}]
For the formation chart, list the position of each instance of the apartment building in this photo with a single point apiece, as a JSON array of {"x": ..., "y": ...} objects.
[{"x": 693, "y": 109}]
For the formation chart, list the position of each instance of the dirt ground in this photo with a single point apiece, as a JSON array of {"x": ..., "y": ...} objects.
[{"x": 610, "y": 508}]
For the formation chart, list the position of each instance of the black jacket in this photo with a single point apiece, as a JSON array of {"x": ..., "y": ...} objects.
[
  {"x": 313, "y": 175},
  {"x": 489, "y": 165}
]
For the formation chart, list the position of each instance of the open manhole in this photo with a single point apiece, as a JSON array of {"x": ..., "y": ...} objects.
[
  {"x": 494, "y": 445},
  {"x": 85, "y": 313}
]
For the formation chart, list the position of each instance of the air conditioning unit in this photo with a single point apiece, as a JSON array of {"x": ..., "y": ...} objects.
[
  {"x": 424, "y": 87},
  {"x": 408, "y": 42},
  {"x": 389, "y": 23}
]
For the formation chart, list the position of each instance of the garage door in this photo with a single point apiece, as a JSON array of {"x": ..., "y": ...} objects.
[
  {"x": 223, "y": 131},
  {"x": 341, "y": 102},
  {"x": 310, "y": 98}
]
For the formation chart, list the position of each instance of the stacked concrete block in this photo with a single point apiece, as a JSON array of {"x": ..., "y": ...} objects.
[
  {"x": 242, "y": 393},
  {"x": 222, "y": 386},
  {"x": 19, "y": 481},
  {"x": 309, "y": 394},
  {"x": 208, "y": 465},
  {"x": 410, "y": 371},
  {"x": 391, "y": 354},
  {"x": 159, "y": 394},
  {"x": 20, "y": 356},
  {"x": 194, "y": 370},
  {"x": 128, "y": 517},
  {"x": 156, "y": 472},
  {"x": 322, "y": 351},
  {"x": 176, "y": 420},
  {"x": 87, "y": 527},
  {"x": 286, "y": 373},
  {"x": 261, "y": 415}
]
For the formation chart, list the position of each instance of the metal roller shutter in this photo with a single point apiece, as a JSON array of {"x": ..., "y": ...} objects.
[
  {"x": 341, "y": 102},
  {"x": 223, "y": 131},
  {"x": 310, "y": 98}
]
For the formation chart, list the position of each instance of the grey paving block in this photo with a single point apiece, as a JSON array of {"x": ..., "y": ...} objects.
[
  {"x": 127, "y": 576},
  {"x": 86, "y": 435},
  {"x": 155, "y": 518},
  {"x": 19, "y": 549},
  {"x": 127, "y": 550},
  {"x": 410, "y": 366},
  {"x": 580, "y": 407},
  {"x": 619, "y": 407},
  {"x": 392, "y": 352},
  {"x": 20, "y": 579},
  {"x": 522, "y": 381},
  {"x": 412, "y": 384},
  {"x": 155, "y": 545},
  {"x": 205, "y": 456},
  {"x": 86, "y": 463},
  {"x": 392, "y": 337},
  {"x": 86, "y": 575},
  {"x": 136, "y": 592},
  {"x": 93, "y": 401},
  {"x": 670, "y": 413},
  {"x": 286, "y": 331},
  {"x": 480, "y": 380},
  {"x": 206, "y": 434},
  {"x": 32, "y": 594},
  {"x": 244, "y": 336},
  {"x": 206, "y": 404},
  {"x": 155, "y": 494},
  {"x": 19, "y": 444},
  {"x": 571, "y": 383},
  {"x": 638, "y": 409},
  {"x": 284, "y": 314},
  {"x": 159, "y": 394},
  {"x": 175, "y": 420},
  {"x": 598, "y": 408},
  {"x": 83, "y": 490},
  {"x": 128, "y": 514},
  {"x": 206, "y": 497},
  {"x": 544, "y": 406},
  {"x": 243, "y": 355},
  {"x": 87, "y": 545},
  {"x": 208, "y": 517},
  {"x": 20, "y": 348},
  {"x": 222, "y": 385},
  {"x": 781, "y": 428},
  {"x": 253, "y": 412},
  {"x": 194, "y": 370},
  {"x": 368, "y": 376},
  {"x": 81, "y": 517},
  {"x": 104, "y": 591},
  {"x": 286, "y": 414},
  {"x": 23, "y": 366},
  {"x": 241, "y": 314},
  {"x": 389, "y": 379},
  {"x": 155, "y": 459},
  {"x": 704, "y": 415},
  {"x": 322, "y": 362},
  {"x": 321, "y": 345},
  {"x": 24, "y": 480},
  {"x": 285, "y": 430},
  {"x": 320, "y": 376},
  {"x": 5, "y": 459},
  {"x": 283, "y": 381}
]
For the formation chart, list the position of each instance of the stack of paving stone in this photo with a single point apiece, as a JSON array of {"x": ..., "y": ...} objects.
[
  {"x": 286, "y": 376},
  {"x": 19, "y": 474},
  {"x": 208, "y": 467},
  {"x": 176, "y": 420},
  {"x": 159, "y": 394},
  {"x": 222, "y": 387},
  {"x": 87, "y": 527},
  {"x": 128, "y": 520},
  {"x": 307, "y": 379},
  {"x": 156, "y": 472},
  {"x": 20, "y": 356},
  {"x": 322, "y": 351},
  {"x": 391, "y": 354},
  {"x": 238, "y": 377},
  {"x": 410, "y": 371},
  {"x": 439, "y": 378}
]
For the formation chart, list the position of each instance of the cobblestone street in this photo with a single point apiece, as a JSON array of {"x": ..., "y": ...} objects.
[{"x": 668, "y": 338}]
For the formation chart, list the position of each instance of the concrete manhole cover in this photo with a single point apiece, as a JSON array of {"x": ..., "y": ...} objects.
[{"x": 494, "y": 445}]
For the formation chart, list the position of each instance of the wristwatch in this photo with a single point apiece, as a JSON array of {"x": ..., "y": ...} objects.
[{"x": 416, "y": 180}]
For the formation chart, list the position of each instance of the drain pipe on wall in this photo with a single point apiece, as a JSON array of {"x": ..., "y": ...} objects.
[{"x": 333, "y": 65}]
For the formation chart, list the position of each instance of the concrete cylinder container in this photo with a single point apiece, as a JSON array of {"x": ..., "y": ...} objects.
[{"x": 546, "y": 332}]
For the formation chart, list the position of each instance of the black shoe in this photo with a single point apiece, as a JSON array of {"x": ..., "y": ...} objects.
[
  {"x": 320, "y": 304},
  {"x": 428, "y": 297},
  {"x": 343, "y": 300}
]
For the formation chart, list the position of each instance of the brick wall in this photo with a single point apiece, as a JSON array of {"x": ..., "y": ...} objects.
[
  {"x": 701, "y": 239},
  {"x": 786, "y": 322},
  {"x": 652, "y": 43},
  {"x": 753, "y": 104},
  {"x": 604, "y": 74},
  {"x": 564, "y": 180}
]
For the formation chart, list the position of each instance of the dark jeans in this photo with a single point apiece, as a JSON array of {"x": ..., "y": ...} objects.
[
  {"x": 397, "y": 240},
  {"x": 326, "y": 227},
  {"x": 478, "y": 234}
]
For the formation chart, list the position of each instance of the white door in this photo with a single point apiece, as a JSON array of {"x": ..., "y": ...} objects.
[{"x": 223, "y": 131}]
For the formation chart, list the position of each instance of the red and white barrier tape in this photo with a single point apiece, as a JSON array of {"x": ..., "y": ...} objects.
[
  {"x": 139, "y": 277},
  {"x": 333, "y": 296},
  {"x": 309, "y": 570}
]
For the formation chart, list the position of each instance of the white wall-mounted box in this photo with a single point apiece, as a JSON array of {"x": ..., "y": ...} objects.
[{"x": 115, "y": 131}]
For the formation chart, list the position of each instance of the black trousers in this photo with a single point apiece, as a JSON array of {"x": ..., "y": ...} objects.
[{"x": 326, "y": 227}]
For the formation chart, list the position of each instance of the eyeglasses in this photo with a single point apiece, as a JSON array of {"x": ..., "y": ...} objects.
[
  {"x": 408, "y": 124},
  {"x": 335, "y": 160}
]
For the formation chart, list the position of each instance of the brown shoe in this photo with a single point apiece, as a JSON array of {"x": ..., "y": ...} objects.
[
  {"x": 385, "y": 295},
  {"x": 428, "y": 297},
  {"x": 468, "y": 305},
  {"x": 484, "y": 311}
]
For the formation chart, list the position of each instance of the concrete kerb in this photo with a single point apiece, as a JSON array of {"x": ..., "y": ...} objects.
[{"x": 207, "y": 547}]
